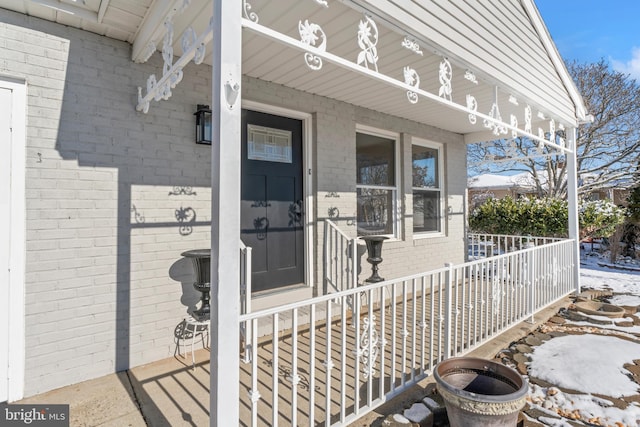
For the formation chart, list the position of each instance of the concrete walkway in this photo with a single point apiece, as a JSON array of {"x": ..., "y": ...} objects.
[{"x": 170, "y": 393}]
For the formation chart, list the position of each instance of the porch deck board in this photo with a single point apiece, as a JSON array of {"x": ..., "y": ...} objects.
[{"x": 409, "y": 355}]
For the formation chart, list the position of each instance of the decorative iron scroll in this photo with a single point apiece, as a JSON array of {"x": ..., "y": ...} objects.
[
  {"x": 497, "y": 126},
  {"x": 412, "y": 78},
  {"x": 312, "y": 35},
  {"x": 469, "y": 75},
  {"x": 246, "y": 10},
  {"x": 193, "y": 47},
  {"x": 552, "y": 130},
  {"x": 472, "y": 105},
  {"x": 412, "y": 45},
  {"x": 514, "y": 122},
  {"x": 367, "y": 358},
  {"x": 445, "y": 74},
  {"x": 527, "y": 119},
  {"x": 367, "y": 41}
]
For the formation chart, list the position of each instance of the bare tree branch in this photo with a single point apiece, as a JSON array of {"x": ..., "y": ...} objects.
[{"x": 608, "y": 149}]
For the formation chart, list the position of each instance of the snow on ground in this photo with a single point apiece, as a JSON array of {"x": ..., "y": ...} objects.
[
  {"x": 590, "y": 363},
  {"x": 591, "y": 409},
  {"x": 605, "y": 278},
  {"x": 597, "y": 369},
  {"x": 630, "y": 300}
]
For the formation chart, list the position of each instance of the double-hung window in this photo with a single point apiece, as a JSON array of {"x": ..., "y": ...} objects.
[
  {"x": 376, "y": 183},
  {"x": 426, "y": 161}
]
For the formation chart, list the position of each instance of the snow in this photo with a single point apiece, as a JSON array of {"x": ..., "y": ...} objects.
[
  {"x": 587, "y": 406},
  {"x": 603, "y": 357},
  {"x": 591, "y": 363},
  {"x": 604, "y": 278},
  {"x": 488, "y": 180},
  {"x": 628, "y": 300}
]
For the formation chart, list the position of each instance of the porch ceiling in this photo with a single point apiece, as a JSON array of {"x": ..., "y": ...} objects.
[{"x": 142, "y": 24}]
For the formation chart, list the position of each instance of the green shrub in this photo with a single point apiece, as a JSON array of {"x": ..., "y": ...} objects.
[
  {"x": 536, "y": 217},
  {"x": 599, "y": 218},
  {"x": 544, "y": 217}
]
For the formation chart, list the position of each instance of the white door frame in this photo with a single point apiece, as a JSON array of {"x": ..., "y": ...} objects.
[
  {"x": 17, "y": 235},
  {"x": 307, "y": 177}
]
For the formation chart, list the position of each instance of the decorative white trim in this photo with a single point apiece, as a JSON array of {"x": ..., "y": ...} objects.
[
  {"x": 469, "y": 75},
  {"x": 17, "y": 239},
  {"x": 514, "y": 123},
  {"x": 412, "y": 45},
  {"x": 368, "y": 339},
  {"x": 411, "y": 78},
  {"x": 367, "y": 41},
  {"x": 351, "y": 66},
  {"x": 497, "y": 126},
  {"x": 312, "y": 35},
  {"x": 248, "y": 14},
  {"x": 472, "y": 105},
  {"x": 193, "y": 48},
  {"x": 445, "y": 74}
]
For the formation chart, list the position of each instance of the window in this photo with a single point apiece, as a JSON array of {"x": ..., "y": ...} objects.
[
  {"x": 376, "y": 183},
  {"x": 426, "y": 161}
]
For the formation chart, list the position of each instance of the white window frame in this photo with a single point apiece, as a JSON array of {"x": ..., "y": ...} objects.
[
  {"x": 395, "y": 189},
  {"x": 440, "y": 148}
]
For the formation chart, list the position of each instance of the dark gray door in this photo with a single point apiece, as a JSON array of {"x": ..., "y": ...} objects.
[{"x": 272, "y": 222}]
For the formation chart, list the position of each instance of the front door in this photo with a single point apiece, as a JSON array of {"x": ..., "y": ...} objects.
[{"x": 272, "y": 220}]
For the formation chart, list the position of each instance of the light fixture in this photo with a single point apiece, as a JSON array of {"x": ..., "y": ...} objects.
[{"x": 203, "y": 124}]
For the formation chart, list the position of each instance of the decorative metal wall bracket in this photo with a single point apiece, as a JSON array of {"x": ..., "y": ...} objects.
[{"x": 193, "y": 48}]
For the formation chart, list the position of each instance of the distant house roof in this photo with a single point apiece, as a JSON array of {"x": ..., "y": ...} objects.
[{"x": 494, "y": 181}]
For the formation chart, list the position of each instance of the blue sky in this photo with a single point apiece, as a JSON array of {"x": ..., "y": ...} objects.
[{"x": 589, "y": 30}]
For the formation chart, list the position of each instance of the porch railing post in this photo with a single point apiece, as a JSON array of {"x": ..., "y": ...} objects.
[
  {"x": 532, "y": 283},
  {"x": 325, "y": 260},
  {"x": 246, "y": 303},
  {"x": 354, "y": 259},
  {"x": 448, "y": 303},
  {"x": 572, "y": 198}
]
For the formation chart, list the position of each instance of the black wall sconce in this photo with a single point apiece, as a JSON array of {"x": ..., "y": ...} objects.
[{"x": 203, "y": 124}]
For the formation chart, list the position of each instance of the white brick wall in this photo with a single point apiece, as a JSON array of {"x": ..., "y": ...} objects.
[
  {"x": 104, "y": 291},
  {"x": 105, "y": 283}
]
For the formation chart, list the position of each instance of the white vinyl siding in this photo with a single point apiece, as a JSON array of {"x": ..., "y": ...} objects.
[{"x": 496, "y": 39}]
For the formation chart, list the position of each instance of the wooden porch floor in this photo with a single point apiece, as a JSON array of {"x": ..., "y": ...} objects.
[{"x": 408, "y": 355}]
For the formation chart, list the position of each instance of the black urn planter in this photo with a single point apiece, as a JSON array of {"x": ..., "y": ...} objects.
[
  {"x": 374, "y": 252},
  {"x": 201, "y": 259}
]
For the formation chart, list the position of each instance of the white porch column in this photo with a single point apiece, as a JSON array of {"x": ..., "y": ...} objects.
[
  {"x": 572, "y": 198},
  {"x": 225, "y": 215}
]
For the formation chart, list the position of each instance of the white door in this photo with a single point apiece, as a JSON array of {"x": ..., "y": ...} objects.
[
  {"x": 5, "y": 232},
  {"x": 13, "y": 96}
]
